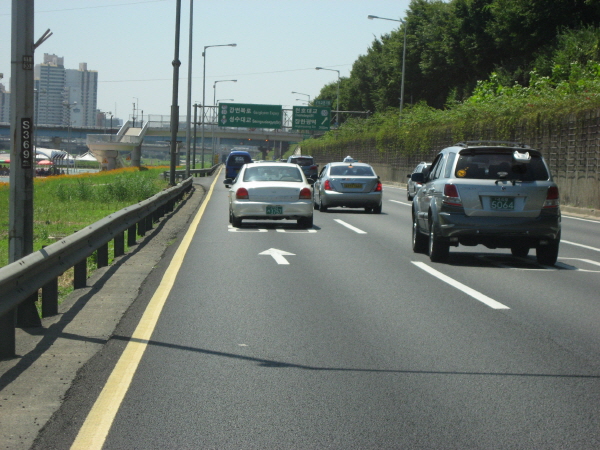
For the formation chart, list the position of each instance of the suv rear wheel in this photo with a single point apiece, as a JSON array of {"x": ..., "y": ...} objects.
[
  {"x": 548, "y": 254},
  {"x": 438, "y": 248},
  {"x": 419, "y": 240}
]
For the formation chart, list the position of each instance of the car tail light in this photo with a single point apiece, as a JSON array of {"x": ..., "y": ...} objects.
[
  {"x": 552, "y": 198},
  {"x": 305, "y": 194},
  {"x": 242, "y": 194},
  {"x": 327, "y": 185},
  {"x": 313, "y": 167},
  {"x": 378, "y": 187},
  {"x": 451, "y": 196}
]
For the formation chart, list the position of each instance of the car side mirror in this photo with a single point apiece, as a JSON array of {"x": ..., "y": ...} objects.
[
  {"x": 228, "y": 182},
  {"x": 311, "y": 180},
  {"x": 417, "y": 177}
]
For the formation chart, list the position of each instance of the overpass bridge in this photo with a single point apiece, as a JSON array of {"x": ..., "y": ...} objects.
[{"x": 111, "y": 146}]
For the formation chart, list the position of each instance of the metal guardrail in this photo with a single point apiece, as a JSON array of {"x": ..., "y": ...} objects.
[
  {"x": 22, "y": 279},
  {"x": 193, "y": 172}
]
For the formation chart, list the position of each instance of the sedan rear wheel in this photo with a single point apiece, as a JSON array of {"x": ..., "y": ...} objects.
[
  {"x": 377, "y": 209},
  {"x": 236, "y": 221},
  {"x": 305, "y": 222},
  {"x": 322, "y": 207},
  {"x": 438, "y": 248}
]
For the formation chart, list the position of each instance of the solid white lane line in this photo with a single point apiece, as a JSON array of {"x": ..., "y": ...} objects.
[
  {"x": 562, "y": 241},
  {"x": 347, "y": 225},
  {"x": 466, "y": 289}
]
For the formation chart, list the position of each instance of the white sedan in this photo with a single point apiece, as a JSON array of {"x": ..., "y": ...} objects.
[{"x": 270, "y": 191}]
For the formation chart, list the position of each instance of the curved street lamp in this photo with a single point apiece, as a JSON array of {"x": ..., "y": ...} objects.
[
  {"x": 204, "y": 91},
  {"x": 337, "y": 112},
  {"x": 403, "y": 22},
  {"x": 300, "y": 93}
]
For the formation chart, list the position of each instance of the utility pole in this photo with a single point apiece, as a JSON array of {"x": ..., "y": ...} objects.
[
  {"x": 174, "y": 105},
  {"x": 20, "y": 233}
]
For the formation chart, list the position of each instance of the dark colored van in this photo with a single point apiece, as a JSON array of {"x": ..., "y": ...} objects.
[{"x": 234, "y": 163}]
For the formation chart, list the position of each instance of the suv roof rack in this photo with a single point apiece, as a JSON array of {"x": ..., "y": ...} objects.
[{"x": 467, "y": 144}]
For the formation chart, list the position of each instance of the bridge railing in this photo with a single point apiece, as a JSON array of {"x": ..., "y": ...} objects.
[
  {"x": 21, "y": 280},
  {"x": 113, "y": 138}
]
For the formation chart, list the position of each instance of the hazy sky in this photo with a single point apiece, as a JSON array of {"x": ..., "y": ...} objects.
[{"x": 131, "y": 43}]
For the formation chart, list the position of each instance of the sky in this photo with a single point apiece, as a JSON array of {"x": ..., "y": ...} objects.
[{"x": 131, "y": 44}]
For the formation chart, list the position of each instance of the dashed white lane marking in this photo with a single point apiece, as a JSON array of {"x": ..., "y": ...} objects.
[
  {"x": 562, "y": 241},
  {"x": 353, "y": 228},
  {"x": 458, "y": 285}
]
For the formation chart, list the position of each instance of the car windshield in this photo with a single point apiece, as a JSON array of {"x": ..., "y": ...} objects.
[
  {"x": 303, "y": 161},
  {"x": 493, "y": 166},
  {"x": 352, "y": 171},
  {"x": 272, "y": 173}
]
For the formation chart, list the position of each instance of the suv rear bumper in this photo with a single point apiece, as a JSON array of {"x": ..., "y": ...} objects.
[{"x": 500, "y": 232}]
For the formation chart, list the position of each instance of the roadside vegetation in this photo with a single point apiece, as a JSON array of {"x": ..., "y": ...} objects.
[
  {"x": 67, "y": 203},
  {"x": 469, "y": 64}
]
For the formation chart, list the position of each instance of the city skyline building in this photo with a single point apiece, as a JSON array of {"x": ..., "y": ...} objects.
[{"x": 65, "y": 96}]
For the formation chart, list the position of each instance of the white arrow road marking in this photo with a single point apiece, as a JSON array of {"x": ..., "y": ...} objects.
[{"x": 278, "y": 255}]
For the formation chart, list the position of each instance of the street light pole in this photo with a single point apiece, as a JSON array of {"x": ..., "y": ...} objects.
[
  {"x": 403, "y": 22},
  {"x": 204, "y": 92},
  {"x": 215, "y": 116},
  {"x": 300, "y": 93},
  {"x": 189, "y": 94},
  {"x": 174, "y": 104},
  {"x": 337, "y": 112}
]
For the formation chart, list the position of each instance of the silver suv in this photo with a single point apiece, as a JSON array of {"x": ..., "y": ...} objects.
[{"x": 497, "y": 194}]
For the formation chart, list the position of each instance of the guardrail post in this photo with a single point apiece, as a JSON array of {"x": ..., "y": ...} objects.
[
  {"x": 80, "y": 274},
  {"x": 142, "y": 227},
  {"x": 102, "y": 253},
  {"x": 119, "y": 248},
  {"x": 50, "y": 298},
  {"x": 27, "y": 315},
  {"x": 131, "y": 235},
  {"x": 7, "y": 334},
  {"x": 149, "y": 222}
]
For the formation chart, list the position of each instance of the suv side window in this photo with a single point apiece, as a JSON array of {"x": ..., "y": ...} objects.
[
  {"x": 436, "y": 167},
  {"x": 449, "y": 165}
]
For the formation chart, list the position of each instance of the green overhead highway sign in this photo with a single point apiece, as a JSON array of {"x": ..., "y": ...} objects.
[
  {"x": 311, "y": 118},
  {"x": 250, "y": 115}
]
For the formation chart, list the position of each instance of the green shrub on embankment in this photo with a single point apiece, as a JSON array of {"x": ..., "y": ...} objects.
[
  {"x": 492, "y": 106},
  {"x": 65, "y": 204}
]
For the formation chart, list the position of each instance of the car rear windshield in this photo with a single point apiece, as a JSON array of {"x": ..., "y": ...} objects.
[
  {"x": 238, "y": 160},
  {"x": 272, "y": 173},
  {"x": 303, "y": 161},
  {"x": 353, "y": 171},
  {"x": 496, "y": 165}
]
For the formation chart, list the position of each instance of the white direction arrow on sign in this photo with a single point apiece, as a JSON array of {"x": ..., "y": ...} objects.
[{"x": 278, "y": 255}]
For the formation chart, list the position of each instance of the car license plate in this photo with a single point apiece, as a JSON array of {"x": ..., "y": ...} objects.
[
  {"x": 274, "y": 209},
  {"x": 502, "y": 203},
  {"x": 352, "y": 185}
]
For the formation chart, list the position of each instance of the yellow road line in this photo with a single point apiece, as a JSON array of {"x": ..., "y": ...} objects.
[{"x": 98, "y": 422}]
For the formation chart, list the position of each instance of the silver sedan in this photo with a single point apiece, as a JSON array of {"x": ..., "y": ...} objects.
[
  {"x": 270, "y": 191},
  {"x": 349, "y": 184}
]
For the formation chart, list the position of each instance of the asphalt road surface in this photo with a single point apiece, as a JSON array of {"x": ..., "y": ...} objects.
[{"x": 272, "y": 337}]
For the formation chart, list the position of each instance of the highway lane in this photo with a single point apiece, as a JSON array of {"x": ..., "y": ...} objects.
[{"x": 358, "y": 342}]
